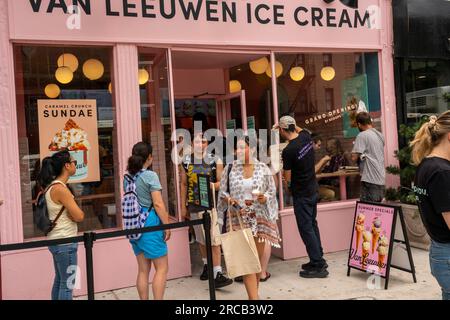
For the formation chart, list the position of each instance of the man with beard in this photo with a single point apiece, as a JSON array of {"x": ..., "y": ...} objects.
[{"x": 368, "y": 152}]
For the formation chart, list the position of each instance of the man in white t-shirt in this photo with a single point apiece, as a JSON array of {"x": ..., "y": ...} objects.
[{"x": 368, "y": 150}]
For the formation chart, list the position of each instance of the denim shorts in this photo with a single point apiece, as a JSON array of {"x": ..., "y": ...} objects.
[
  {"x": 151, "y": 244},
  {"x": 440, "y": 266}
]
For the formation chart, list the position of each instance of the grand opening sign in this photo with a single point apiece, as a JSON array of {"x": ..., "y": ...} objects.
[{"x": 199, "y": 21}]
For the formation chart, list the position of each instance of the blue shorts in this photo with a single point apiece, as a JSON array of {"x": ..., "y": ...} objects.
[{"x": 151, "y": 244}]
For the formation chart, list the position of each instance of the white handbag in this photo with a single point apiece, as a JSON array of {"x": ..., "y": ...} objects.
[{"x": 239, "y": 250}]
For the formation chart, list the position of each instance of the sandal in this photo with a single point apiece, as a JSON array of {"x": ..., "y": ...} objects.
[{"x": 266, "y": 278}]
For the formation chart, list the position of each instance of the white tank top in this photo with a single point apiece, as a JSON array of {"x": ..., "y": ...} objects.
[
  {"x": 247, "y": 185},
  {"x": 65, "y": 227}
]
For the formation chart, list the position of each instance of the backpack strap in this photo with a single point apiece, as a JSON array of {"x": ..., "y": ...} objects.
[{"x": 60, "y": 211}]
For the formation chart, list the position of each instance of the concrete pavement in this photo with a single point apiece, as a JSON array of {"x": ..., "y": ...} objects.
[{"x": 285, "y": 284}]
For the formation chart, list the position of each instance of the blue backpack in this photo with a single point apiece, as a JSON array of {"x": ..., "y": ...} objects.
[{"x": 134, "y": 216}]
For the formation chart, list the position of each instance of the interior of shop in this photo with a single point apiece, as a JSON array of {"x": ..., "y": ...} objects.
[{"x": 231, "y": 90}]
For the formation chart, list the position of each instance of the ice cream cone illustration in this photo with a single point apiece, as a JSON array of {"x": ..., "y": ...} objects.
[
  {"x": 381, "y": 258},
  {"x": 359, "y": 228},
  {"x": 383, "y": 245},
  {"x": 376, "y": 230},
  {"x": 367, "y": 238}
]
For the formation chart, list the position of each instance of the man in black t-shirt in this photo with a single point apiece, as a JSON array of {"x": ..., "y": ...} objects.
[
  {"x": 199, "y": 162},
  {"x": 299, "y": 174}
]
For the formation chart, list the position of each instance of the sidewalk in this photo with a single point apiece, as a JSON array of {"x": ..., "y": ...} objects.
[{"x": 285, "y": 284}]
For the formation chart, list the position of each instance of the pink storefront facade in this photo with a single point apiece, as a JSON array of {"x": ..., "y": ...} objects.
[{"x": 195, "y": 48}]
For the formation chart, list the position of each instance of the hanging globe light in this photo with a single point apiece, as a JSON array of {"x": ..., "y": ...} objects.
[
  {"x": 235, "y": 86},
  {"x": 93, "y": 69},
  {"x": 297, "y": 73},
  {"x": 143, "y": 76},
  {"x": 327, "y": 73},
  {"x": 259, "y": 66},
  {"x": 278, "y": 69},
  {"x": 52, "y": 91},
  {"x": 68, "y": 60},
  {"x": 64, "y": 75}
]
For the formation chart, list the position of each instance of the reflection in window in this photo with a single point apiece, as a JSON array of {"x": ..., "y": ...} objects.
[
  {"x": 66, "y": 73},
  {"x": 324, "y": 101},
  {"x": 427, "y": 88},
  {"x": 155, "y": 116}
]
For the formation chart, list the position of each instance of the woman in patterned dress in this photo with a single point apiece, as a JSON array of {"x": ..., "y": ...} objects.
[{"x": 251, "y": 187}]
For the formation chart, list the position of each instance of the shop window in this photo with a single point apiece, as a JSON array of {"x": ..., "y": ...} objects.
[
  {"x": 323, "y": 101},
  {"x": 427, "y": 88},
  {"x": 329, "y": 99},
  {"x": 72, "y": 85},
  {"x": 156, "y": 120}
]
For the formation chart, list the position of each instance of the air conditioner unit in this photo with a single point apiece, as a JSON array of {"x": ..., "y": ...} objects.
[{"x": 427, "y": 102}]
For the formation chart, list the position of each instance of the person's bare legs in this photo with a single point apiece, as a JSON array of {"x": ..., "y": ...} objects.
[
  {"x": 144, "y": 266},
  {"x": 251, "y": 285},
  {"x": 265, "y": 260},
  {"x": 216, "y": 254},
  {"x": 160, "y": 278},
  {"x": 260, "y": 246},
  {"x": 251, "y": 281}
]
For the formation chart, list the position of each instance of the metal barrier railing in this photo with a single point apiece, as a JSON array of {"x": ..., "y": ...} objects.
[{"x": 89, "y": 238}]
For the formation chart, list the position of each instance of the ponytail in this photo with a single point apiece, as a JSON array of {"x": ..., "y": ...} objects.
[
  {"x": 135, "y": 164},
  {"x": 141, "y": 151},
  {"x": 52, "y": 167},
  {"x": 47, "y": 173},
  {"x": 429, "y": 136}
]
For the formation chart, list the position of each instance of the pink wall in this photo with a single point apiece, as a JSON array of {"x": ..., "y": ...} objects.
[
  {"x": 19, "y": 24},
  {"x": 335, "y": 224},
  {"x": 194, "y": 82},
  {"x": 114, "y": 267}
]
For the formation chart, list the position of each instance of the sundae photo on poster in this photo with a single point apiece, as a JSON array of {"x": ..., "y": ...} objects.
[
  {"x": 74, "y": 139},
  {"x": 71, "y": 124}
]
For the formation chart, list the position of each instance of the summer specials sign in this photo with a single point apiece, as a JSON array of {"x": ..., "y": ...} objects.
[
  {"x": 372, "y": 234},
  {"x": 71, "y": 125}
]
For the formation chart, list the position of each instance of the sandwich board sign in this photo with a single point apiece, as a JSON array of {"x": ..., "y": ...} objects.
[{"x": 379, "y": 241}]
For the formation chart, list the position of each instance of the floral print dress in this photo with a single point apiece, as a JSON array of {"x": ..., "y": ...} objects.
[{"x": 260, "y": 218}]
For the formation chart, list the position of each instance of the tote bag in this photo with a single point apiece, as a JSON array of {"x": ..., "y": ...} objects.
[
  {"x": 215, "y": 228},
  {"x": 239, "y": 250}
]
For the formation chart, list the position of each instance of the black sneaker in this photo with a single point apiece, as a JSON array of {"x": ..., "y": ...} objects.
[
  {"x": 314, "y": 273},
  {"x": 310, "y": 266},
  {"x": 204, "y": 275},
  {"x": 222, "y": 281}
]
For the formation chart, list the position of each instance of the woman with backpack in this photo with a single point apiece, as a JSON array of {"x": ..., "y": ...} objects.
[
  {"x": 64, "y": 212},
  {"x": 151, "y": 247}
]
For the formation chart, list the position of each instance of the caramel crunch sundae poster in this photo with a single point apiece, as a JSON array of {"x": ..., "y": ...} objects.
[{"x": 71, "y": 125}]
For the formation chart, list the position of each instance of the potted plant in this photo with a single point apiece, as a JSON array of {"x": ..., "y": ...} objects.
[{"x": 404, "y": 194}]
